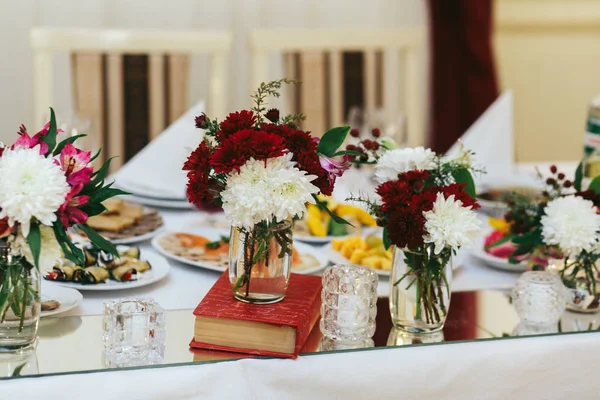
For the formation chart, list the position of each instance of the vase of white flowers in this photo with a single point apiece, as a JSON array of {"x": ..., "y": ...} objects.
[
  {"x": 262, "y": 171},
  {"x": 261, "y": 261},
  {"x": 19, "y": 301},
  {"x": 426, "y": 209},
  {"x": 46, "y": 187}
]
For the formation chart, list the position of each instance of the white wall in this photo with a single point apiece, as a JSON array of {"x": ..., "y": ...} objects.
[{"x": 239, "y": 16}]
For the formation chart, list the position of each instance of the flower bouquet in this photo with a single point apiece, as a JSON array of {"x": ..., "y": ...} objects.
[
  {"x": 560, "y": 231},
  {"x": 262, "y": 171},
  {"x": 46, "y": 187},
  {"x": 426, "y": 210}
]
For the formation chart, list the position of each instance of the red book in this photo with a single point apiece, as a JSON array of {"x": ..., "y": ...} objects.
[{"x": 280, "y": 329}]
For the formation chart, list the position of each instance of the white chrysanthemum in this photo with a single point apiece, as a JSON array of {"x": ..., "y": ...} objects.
[
  {"x": 50, "y": 248},
  {"x": 32, "y": 186},
  {"x": 266, "y": 191},
  {"x": 449, "y": 224},
  {"x": 397, "y": 161},
  {"x": 571, "y": 223}
]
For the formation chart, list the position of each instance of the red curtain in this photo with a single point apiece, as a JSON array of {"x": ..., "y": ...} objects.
[{"x": 463, "y": 73}]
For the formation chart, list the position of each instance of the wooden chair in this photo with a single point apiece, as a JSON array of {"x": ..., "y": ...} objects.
[
  {"x": 99, "y": 64},
  {"x": 315, "y": 57}
]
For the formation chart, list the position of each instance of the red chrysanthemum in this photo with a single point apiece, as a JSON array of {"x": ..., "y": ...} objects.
[
  {"x": 405, "y": 227},
  {"x": 458, "y": 190},
  {"x": 309, "y": 161},
  {"x": 200, "y": 121},
  {"x": 272, "y": 115},
  {"x": 236, "y": 122},
  {"x": 199, "y": 160},
  {"x": 393, "y": 194},
  {"x": 244, "y": 145},
  {"x": 296, "y": 141},
  {"x": 203, "y": 192}
]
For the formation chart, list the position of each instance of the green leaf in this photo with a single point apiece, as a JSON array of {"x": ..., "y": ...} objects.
[
  {"x": 336, "y": 229},
  {"x": 532, "y": 238},
  {"x": 323, "y": 206},
  {"x": 62, "y": 144},
  {"x": 96, "y": 155},
  {"x": 332, "y": 140},
  {"x": 595, "y": 185},
  {"x": 98, "y": 240},
  {"x": 17, "y": 371},
  {"x": 349, "y": 152},
  {"x": 463, "y": 176},
  {"x": 71, "y": 251},
  {"x": 387, "y": 243},
  {"x": 498, "y": 242},
  {"x": 578, "y": 177},
  {"x": 50, "y": 137},
  {"x": 34, "y": 240}
]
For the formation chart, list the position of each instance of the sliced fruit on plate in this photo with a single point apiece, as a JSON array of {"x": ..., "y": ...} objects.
[{"x": 369, "y": 252}]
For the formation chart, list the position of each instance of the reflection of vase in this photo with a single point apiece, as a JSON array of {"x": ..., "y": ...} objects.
[
  {"x": 525, "y": 328},
  {"x": 20, "y": 363},
  {"x": 399, "y": 337},
  {"x": 420, "y": 290},
  {"x": 328, "y": 344},
  {"x": 19, "y": 302},
  {"x": 584, "y": 292},
  {"x": 260, "y": 262}
]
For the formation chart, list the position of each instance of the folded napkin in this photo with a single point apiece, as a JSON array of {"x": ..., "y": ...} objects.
[
  {"x": 156, "y": 170},
  {"x": 491, "y": 138}
]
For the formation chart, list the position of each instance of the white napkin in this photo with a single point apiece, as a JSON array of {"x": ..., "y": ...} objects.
[
  {"x": 156, "y": 170},
  {"x": 491, "y": 138}
]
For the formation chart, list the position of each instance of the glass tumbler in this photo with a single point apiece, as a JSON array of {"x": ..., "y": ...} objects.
[
  {"x": 133, "y": 332},
  {"x": 539, "y": 298},
  {"x": 348, "y": 302}
]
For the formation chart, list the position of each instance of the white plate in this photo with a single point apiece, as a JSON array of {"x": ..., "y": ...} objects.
[
  {"x": 321, "y": 240},
  {"x": 67, "y": 297},
  {"x": 337, "y": 258},
  {"x": 149, "y": 192},
  {"x": 160, "y": 269},
  {"x": 215, "y": 234},
  {"x": 492, "y": 261},
  {"x": 139, "y": 238},
  {"x": 160, "y": 203}
]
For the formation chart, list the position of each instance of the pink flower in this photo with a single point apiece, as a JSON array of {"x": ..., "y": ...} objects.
[
  {"x": 75, "y": 164},
  {"x": 333, "y": 167},
  {"x": 26, "y": 142},
  {"x": 69, "y": 212}
]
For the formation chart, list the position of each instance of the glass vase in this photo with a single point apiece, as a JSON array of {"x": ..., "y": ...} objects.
[
  {"x": 260, "y": 262},
  {"x": 583, "y": 285},
  {"x": 420, "y": 290},
  {"x": 19, "y": 302}
]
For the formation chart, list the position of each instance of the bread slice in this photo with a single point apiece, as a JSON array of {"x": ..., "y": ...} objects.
[
  {"x": 111, "y": 223},
  {"x": 134, "y": 211},
  {"x": 113, "y": 206}
]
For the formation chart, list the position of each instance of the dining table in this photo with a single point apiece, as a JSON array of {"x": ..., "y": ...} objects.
[{"x": 491, "y": 361}]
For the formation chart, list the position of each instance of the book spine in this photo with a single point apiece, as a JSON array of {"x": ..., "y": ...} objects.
[{"x": 302, "y": 334}]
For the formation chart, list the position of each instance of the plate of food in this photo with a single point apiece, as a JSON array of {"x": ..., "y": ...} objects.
[
  {"x": 317, "y": 227},
  {"x": 209, "y": 249},
  {"x": 368, "y": 252},
  {"x": 492, "y": 199},
  {"x": 125, "y": 222},
  {"x": 58, "y": 299},
  {"x": 105, "y": 272},
  {"x": 496, "y": 256}
]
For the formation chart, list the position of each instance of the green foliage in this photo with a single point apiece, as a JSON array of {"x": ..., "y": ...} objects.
[
  {"x": 34, "y": 240},
  {"x": 578, "y": 177},
  {"x": 336, "y": 229},
  {"x": 71, "y": 252},
  {"x": 505, "y": 239},
  {"x": 98, "y": 240},
  {"x": 62, "y": 144},
  {"x": 263, "y": 92},
  {"x": 323, "y": 206},
  {"x": 387, "y": 243},
  {"x": 50, "y": 137},
  {"x": 332, "y": 140},
  {"x": 595, "y": 185},
  {"x": 463, "y": 176}
]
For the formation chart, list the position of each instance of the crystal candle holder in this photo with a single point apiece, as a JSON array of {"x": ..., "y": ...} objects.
[
  {"x": 133, "y": 332},
  {"x": 348, "y": 302},
  {"x": 539, "y": 298}
]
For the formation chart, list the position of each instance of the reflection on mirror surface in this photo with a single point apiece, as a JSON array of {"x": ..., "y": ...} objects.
[{"x": 74, "y": 344}]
